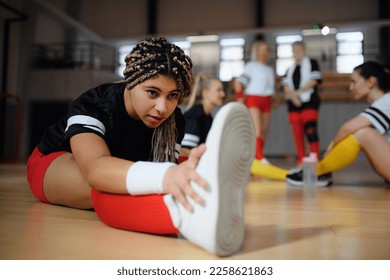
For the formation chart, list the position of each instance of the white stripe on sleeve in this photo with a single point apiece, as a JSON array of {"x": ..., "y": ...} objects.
[
  {"x": 88, "y": 122},
  {"x": 190, "y": 140}
]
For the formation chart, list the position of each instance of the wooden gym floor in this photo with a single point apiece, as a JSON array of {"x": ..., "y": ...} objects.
[{"x": 350, "y": 220}]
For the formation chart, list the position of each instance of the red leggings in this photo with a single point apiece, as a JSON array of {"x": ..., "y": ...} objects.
[
  {"x": 305, "y": 123},
  {"x": 144, "y": 213}
]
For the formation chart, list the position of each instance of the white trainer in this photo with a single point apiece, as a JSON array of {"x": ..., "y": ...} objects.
[
  {"x": 265, "y": 161},
  {"x": 218, "y": 225}
]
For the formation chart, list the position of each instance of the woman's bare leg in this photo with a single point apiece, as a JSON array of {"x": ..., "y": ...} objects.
[
  {"x": 265, "y": 121},
  {"x": 256, "y": 117},
  {"x": 377, "y": 149},
  {"x": 64, "y": 184}
]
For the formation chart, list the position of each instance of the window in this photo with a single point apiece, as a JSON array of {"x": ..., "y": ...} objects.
[
  {"x": 123, "y": 51},
  {"x": 184, "y": 45},
  {"x": 349, "y": 51},
  {"x": 284, "y": 55},
  {"x": 232, "y": 58}
]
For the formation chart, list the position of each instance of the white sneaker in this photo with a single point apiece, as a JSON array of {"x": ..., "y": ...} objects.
[
  {"x": 264, "y": 160},
  {"x": 218, "y": 226}
]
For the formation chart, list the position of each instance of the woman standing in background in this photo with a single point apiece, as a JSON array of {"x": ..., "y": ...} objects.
[
  {"x": 254, "y": 88},
  {"x": 300, "y": 85}
]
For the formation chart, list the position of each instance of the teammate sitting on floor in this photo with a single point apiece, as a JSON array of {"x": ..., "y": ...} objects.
[
  {"x": 207, "y": 94},
  {"x": 116, "y": 152},
  {"x": 369, "y": 131}
]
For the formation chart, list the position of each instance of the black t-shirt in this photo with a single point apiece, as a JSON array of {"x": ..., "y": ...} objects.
[
  {"x": 102, "y": 111},
  {"x": 198, "y": 125}
]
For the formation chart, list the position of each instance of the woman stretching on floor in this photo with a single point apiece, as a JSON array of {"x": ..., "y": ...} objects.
[{"x": 116, "y": 151}]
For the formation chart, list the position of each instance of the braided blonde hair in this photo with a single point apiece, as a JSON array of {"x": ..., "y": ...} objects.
[{"x": 152, "y": 57}]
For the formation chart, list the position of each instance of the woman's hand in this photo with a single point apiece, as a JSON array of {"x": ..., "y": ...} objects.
[
  {"x": 294, "y": 97},
  {"x": 177, "y": 179}
]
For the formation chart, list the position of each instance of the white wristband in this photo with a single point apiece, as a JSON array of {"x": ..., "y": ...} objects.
[{"x": 146, "y": 177}]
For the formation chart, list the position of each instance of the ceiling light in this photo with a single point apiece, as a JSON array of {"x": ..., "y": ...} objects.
[{"x": 202, "y": 38}]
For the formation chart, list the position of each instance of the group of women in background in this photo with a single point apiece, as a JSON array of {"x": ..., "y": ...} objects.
[{"x": 255, "y": 87}]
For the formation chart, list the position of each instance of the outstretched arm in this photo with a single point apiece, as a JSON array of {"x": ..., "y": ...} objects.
[
  {"x": 110, "y": 174},
  {"x": 100, "y": 169}
]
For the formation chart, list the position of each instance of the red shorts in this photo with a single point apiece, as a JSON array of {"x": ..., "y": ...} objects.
[
  {"x": 263, "y": 103},
  {"x": 37, "y": 165}
]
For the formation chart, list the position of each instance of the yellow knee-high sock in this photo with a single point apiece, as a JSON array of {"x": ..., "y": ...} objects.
[
  {"x": 267, "y": 170},
  {"x": 340, "y": 156}
]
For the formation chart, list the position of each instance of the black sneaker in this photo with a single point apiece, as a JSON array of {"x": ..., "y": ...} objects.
[
  {"x": 296, "y": 179},
  {"x": 325, "y": 180}
]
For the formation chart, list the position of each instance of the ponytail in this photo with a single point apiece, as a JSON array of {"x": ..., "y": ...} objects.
[{"x": 201, "y": 82}]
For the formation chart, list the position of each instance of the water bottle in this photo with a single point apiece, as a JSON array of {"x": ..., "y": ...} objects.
[{"x": 310, "y": 174}]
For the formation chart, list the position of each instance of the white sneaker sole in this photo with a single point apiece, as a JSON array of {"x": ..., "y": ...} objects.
[
  {"x": 232, "y": 140},
  {"x": 319, "y": 184},
  {"x": 294, "y": 183}
]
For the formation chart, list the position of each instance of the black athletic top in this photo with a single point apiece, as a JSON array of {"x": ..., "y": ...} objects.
[
  {"x": 198, "y": 125},
  {"x": 102, "y": 111},
  {"x": 315, "y": 74}
]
